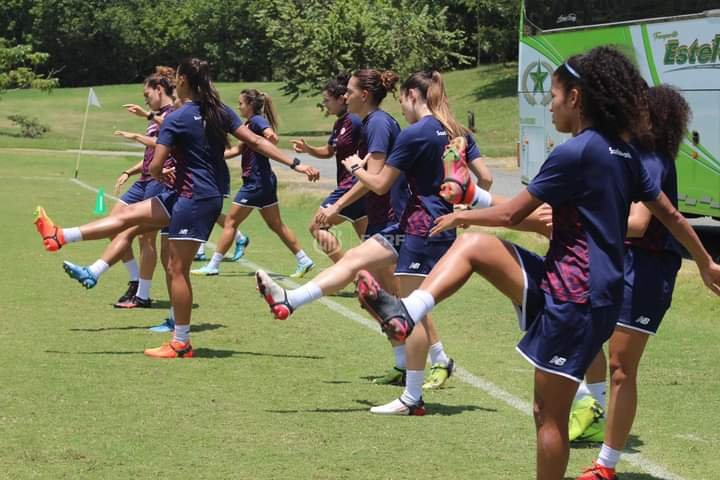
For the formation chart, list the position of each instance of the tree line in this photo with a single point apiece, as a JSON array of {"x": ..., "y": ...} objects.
[{"x": 299, "y": 42}]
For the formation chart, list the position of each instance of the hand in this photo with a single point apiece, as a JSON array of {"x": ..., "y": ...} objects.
[
  {"x": 299, "y": 145},
  {"x": 326, "y": 214},
  {"x": 460, "y": 207},
  {"x": 120, "y": 182},
  {"x": 125, "y": 135},
  {"x": 136, "y": 110},
  {"x": 353, "y": 162},
  {"x": 313, "y": 174},
  {"x": 446, "y": 222},
  {"x": 545, "y": 214},
  {"x": 711, "y": 277},
  {"x": 169, "y": 175}
]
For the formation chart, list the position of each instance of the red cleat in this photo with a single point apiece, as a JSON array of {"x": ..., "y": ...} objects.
[
  {"x": 387, "y": 309},
  {"x": 274, "y": 295},
  {"x": 598, "y": 472},
  {"x": 458, "y": 187},
  {"x": 171, "y": 350},
  {"x": 52, "y": 236}
]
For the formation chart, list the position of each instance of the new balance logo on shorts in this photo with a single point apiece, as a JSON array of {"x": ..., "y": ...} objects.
[
  {"x": 244, "y": 200},
  {"x": 642, "y": 320},
  {"x": 414, "y": 266},
  {"x": 184, "y": 231},
  {"x": 558, "y": 361}
]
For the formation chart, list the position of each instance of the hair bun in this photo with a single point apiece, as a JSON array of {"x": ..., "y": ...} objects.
[{"x": 388, "y": 79}]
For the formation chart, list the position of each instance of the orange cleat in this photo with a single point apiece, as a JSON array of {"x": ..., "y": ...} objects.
[
  {"x": 598, "y": 472},
  {"x": 52, "y": 236},
  {"x": 458, "y": 187},
  {"x": 171, "y": 350}
]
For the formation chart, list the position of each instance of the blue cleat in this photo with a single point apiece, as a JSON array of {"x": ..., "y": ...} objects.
[
  {"x": 200, "y": 257},
  {"x": 166, "y": 327},
  {"x": 240, "y": 245},
  {"x": 81, "y": 274},
  {"x": 206, "y": 271},
  {"x": 302, "y": 268}
]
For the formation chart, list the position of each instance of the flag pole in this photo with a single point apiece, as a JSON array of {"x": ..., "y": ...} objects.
[{"x": 82, "y": 136}]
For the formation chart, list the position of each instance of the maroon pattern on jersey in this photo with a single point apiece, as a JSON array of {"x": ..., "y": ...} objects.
[
  {"x": 345, "y": 140},
  {"x": 153, "y": 130},
  {"x": 567, "y": 262},
  {"x": 416, "y": 220}
]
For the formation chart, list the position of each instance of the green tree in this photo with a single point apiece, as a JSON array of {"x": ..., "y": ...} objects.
[
  {"x": 313, "y": 40},
  {"x": 19, "y": 65}
]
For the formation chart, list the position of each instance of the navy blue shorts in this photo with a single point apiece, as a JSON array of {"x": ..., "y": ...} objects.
[
  {"x": 644, "y": 307},
  {"x": 566, "y": 336},
  {"x": 416, "y": 255},
  {"x": 142, "y": 190},
  {"x": 190, "y": 218},
  {"x": 533, "y": 267},
  {"x": 353, "y": 212},
  {"x": 257, "y": 194}
]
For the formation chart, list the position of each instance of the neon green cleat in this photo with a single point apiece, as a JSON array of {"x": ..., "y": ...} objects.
[
  {"x": 302, "y": 268},
  {"x": 587, "y": 421},
  {"x": 438, "y": 375},
  {"x": 394, "y": 376}
]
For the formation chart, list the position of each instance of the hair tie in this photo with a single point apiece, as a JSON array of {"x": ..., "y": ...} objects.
[{"x": 572, "y": 71}]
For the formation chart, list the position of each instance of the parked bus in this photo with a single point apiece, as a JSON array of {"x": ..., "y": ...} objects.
[{"x": 672, "y": 42}]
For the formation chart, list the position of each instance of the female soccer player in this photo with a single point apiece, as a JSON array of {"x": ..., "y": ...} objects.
[
  {"x": 343, "y": 142},
  {"x": 197, "y": 133},
  {"x": 259, "y": 190},
  {"x": 652, "y": 260},
  {"x": 417, "y": 155},
  {"x": 158, "y": 90},
  {"x": 569, "y": 301}
]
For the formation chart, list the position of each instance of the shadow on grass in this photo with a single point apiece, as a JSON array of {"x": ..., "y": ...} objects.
[
  {"x": 201, "y": 327},
  {"x": 432, "y": 409},
  {"x": 500, "y": 88},
  {"x": 166, "y": 304},
  {"x": 10, "y": 134},
  {"x": 344, "y": 294},
  {"x": 631, "y": 446},
  {"x": 197, "y": 353}
]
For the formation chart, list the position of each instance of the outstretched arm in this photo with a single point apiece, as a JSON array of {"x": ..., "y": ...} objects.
[{"x": 664, "y": 211}]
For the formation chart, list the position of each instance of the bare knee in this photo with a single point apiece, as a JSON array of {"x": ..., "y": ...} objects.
[{"x": 620, "y": 373}]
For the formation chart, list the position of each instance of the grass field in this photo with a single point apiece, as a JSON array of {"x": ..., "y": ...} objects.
[
  {"x": 287, "y": 400},
  {"x": 488, "y": 91}
]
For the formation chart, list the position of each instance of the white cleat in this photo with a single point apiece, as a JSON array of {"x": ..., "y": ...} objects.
[{"x": 398, "y": 407}]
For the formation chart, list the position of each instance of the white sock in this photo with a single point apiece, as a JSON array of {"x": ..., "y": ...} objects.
[
  {"x": 302, "y": 295},
  {"x": 239, "y": 237},
  {"x": 201, "y": 249},
  {"x": 413, "y": 387},
  {"x": 400, "y": 361},
  {"x": 132, "y": 268},
  {"x": 302, "y": 257},
  {"x": 98, "y": 268},
  {"x": 72, "y": 235},
  {"x": 171, "y": 314},
  {"x": 609, "y": 457},
  {"x": 216, "y": 259},
  {"x": 418, "y": 304},
  {"x": 181, "y": 333},
  {"x": 597, "y": 390},
  {"x": 144, "y": 288},
  {"x": 438, "y": 355},
  {"x": 482, "y": 199}
]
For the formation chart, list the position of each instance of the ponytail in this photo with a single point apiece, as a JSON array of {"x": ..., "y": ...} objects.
[
  {"x": 217, "y": 121},
  {"x": 430, "y": 85},
  {"x": 262, "y": 104}
]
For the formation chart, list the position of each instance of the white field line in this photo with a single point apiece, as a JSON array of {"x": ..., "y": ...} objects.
[{"x": 635, "y": 459}]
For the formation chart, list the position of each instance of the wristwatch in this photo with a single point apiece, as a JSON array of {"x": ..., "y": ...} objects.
[
  {"x": 296, "y": 162},
  {"x": 150, "y": 115}
]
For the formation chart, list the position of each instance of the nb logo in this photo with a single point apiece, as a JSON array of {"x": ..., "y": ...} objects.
[
  {"x": 619, "y": 153},
  {"x": 414, "y": 265},
  {"x": 184, "y": 231},
  {"x": 244, "y": 200},
  {"x": 197, "y": 117},
  {"x": 642, "y": 320},
  {"x": 557, "y": 360}
]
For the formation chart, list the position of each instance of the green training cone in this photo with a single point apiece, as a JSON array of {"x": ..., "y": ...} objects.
[{"x": 100, "y": 203}]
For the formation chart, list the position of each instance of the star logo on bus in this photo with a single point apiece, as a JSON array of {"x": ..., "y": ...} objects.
[{"x": 537, "y": 73}]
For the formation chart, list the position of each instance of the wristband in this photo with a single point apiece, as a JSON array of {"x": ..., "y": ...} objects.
[
  {"x": 355, "y": 168},
  {"x": 150, "y": 115},
  {"x": 126, "y": 173},
  {"x": 296, "y": 162}
]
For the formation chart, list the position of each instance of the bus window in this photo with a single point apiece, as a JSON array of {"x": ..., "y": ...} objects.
[{"x": 558, "y": 14}]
